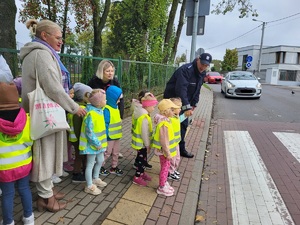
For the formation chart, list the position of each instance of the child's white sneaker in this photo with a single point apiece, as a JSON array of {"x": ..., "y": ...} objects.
[
  {"x": 28, "y": 220},
  {"x": 164, "y": 191},
  {"x": 169, "y": 186},
  {"x": 92, "y": 190},
  {"x": 100, "y": 183}
]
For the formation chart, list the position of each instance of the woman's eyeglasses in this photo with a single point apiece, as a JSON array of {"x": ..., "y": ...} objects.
[{"x": 56, "y": 37}]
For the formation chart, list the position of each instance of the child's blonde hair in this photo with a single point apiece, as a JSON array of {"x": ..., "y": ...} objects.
[{"x": 177, "y": 101}]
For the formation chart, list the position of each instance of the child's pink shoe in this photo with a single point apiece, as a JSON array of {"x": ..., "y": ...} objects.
[
  {"x": 68, "y": 167},
  {"x": 139, "y": 181},
  {"x": 146, "y": 177}
]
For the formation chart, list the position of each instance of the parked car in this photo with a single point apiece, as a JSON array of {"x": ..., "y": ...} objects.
[
  {"x": 241, "y": 84},
  {"x": 213, "y": 78}
]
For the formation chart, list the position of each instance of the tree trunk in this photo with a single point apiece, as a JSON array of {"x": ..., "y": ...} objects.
[
  {"x": 65, "y": 18},
  {"x": 8, "y": 12},
  {"x": 169, "y": 30},
  {"x": 98, "y": 25},
  {"x": 179, "y": 29}
]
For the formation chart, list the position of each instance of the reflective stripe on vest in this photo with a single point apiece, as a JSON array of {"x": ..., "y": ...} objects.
[
  {"x": 172, "y": 142},
  {"x": 72, "y": 136},
  {"x": 176, "y": 128},
  {"x": 136, "y": 137},
  {"x": 16, "y": 153},
  {"x": 115, "y": 123},
  {"x": 99, "y": 130}
]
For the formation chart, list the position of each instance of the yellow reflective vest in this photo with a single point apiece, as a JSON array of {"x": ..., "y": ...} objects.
[
  {"x": 136, "y": 136},
  {"x": 115, "y": 123},
  {"x": 72, "y": 136},
  {"x": 176, "y": 128},
  {"x": 15, "y": 155},
  {"x": 99, "y": 130},
  {"x": 172, "y": 142}
]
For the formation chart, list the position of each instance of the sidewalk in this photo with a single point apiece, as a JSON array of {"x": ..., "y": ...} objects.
[{"x": 122, "y": 202}]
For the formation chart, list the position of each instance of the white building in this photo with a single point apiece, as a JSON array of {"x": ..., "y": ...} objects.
[{"x": 279, "y": 64}]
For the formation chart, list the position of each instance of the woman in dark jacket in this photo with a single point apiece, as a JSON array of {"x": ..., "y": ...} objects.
[{"x": 104, "y": 78}]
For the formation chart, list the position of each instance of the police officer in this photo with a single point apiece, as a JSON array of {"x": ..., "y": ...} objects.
[{"x": 186, "y": 83}]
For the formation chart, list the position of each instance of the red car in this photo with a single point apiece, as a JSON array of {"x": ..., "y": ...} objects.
[{"x": 213, "y": 78}]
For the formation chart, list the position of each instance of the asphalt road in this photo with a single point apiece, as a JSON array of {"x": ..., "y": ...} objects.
[{"x": 277, "y": 104}]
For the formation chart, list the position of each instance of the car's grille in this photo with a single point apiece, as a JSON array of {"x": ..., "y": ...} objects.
[
  {"x": 217, "y": 79},
  {"x": 245, "y": 91}
]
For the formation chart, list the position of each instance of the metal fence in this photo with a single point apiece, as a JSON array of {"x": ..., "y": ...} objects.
[{"x": 133, "y": 76}]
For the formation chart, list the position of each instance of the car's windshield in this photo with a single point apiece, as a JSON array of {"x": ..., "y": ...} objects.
[{"x": 242, "y": 76}]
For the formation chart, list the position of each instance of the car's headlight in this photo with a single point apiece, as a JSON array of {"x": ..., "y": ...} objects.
[
  {"x": 258, "y": 85},
  {"x": 230, "y": 85}
]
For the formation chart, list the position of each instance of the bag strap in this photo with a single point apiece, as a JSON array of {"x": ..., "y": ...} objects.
[{"x": 36, "y": 75}]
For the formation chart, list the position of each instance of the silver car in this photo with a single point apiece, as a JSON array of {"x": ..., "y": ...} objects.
[{"x": 241, "y": 84}]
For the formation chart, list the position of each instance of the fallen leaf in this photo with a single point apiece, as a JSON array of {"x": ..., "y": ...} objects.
[
  {"x": 217, "y": 155},
  {"x": 206, "y": 178},
  {"x": 199, "y": 218}
]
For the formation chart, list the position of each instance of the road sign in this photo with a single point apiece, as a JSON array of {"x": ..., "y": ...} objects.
[
  {"x": 189, "y": 25},
  {"x": 204, "y": 8},
  {"x": 248, "y": 65},
  {"x": 249, "y": 59}
]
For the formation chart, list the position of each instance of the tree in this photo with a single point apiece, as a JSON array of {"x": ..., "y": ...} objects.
[
  {"x": 230, "y": 60},
  {"x": 245, "y": 7},
  {"x": 217, "y": 65},
  {"x": 180, "y": 59},
  {"x": 136, "y": 29},
  {"x": 8, "y": 12}
]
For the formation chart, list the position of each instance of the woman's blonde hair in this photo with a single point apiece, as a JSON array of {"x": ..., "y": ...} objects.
[
  {"x": 36, "y": 28},
  {"x": 103, "y": 65}
]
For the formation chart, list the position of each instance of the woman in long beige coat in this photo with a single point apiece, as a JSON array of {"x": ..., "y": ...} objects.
[{"x": 41, "y": 55}]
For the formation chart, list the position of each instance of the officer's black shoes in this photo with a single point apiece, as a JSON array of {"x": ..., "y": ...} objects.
[{"x": 186, "y": 154}]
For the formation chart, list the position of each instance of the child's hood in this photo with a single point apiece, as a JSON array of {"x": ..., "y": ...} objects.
[
  {"x": 137, "y": 108},
  {"x": 113, "y": 93},
  {"x": 158, "y": 118},
  {"x": 15, "y": 127}
]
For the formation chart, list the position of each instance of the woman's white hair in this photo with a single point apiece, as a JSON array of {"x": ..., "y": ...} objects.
[{"x": 103, "y": 65}]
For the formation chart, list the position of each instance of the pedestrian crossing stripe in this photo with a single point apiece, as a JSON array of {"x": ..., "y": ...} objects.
[
  {"x": 255, "y": 198},
  {"x": 291, "y": 141}
]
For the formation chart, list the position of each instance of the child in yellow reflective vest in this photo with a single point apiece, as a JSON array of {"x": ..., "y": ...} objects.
[
  {"x": 15, "y": 155},
  {"x": 93, "y": 141},
  {"x": 75, "y": 123},
  {"x": 175, "y": 120},
  {"x": 141, "y": 135},
  {"x": 164, "y": 143},
  {"x": 113, "y": 123}
]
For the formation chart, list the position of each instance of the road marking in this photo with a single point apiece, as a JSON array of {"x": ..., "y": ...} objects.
[
  {"x": 255, "y": 198},
  {"x": 291, "y": 141}
]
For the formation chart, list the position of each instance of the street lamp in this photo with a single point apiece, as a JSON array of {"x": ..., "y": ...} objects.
[{"x": 261, "y": 42}]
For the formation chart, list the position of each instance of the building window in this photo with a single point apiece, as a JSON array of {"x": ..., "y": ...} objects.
[
  {"x": 288, "y": 75},
  {"x": 280, "y": 57},
  {"x": 298, "y": 58}
]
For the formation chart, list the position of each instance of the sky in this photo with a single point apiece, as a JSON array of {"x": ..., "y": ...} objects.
[{"x": 229, "y": 31}]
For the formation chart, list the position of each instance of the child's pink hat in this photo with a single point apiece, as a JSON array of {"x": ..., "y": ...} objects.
[{"x": 149, "y": 100}]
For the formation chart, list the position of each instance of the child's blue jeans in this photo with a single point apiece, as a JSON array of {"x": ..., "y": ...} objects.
[{"x": 7, "y": 199}]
